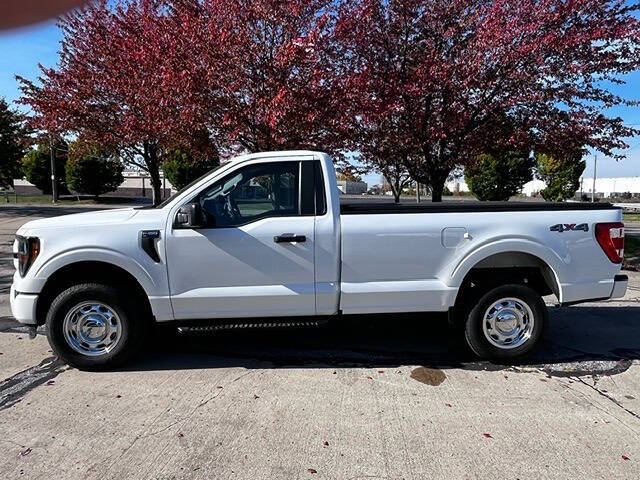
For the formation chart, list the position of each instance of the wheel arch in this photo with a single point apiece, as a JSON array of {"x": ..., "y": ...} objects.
[
  {"x": 90, "y": 270},
  {"x": 514, "y": 254},
  {"x": 510, "y": 266}
]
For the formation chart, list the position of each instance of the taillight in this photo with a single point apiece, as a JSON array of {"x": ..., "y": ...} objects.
[{"x": 610, "y": 236}]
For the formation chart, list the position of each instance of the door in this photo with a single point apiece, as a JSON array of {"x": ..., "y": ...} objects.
[{"x": 254, "y": 257}]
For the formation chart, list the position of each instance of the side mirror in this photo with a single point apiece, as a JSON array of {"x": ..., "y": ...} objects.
[{"x": 189, "y": 216}]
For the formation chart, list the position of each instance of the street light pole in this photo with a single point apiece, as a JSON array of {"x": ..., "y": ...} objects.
[
  {"x": 54, "y": 184},
  {"x": 595, "y": 169}
]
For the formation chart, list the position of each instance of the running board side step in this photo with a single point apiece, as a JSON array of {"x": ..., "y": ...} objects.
[{"x": 247, "y": 324}]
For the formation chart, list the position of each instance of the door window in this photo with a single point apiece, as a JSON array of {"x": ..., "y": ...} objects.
[{"x": 252, "y": 193}]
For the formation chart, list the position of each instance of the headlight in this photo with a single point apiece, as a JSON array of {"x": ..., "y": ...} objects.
[{"x": 28, "y": 250}]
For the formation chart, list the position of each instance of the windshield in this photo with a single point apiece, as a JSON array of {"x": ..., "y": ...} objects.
[{"x": 170, "y": 198}]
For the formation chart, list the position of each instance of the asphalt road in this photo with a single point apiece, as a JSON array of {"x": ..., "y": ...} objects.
[{"x": 394, "y": 397}]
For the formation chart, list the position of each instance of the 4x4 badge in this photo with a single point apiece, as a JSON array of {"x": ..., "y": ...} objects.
[{"x": 563, "y": 227}]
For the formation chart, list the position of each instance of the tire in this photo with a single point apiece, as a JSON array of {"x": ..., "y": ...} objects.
[
  {"x": 93, "y": 326},
  {"x": 506, "y": 323}
]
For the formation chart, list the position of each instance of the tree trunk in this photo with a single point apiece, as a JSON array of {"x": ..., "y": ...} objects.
[
  {"x": 395, "y": 186},
  {"x": 153, "y": 165},
  {"x": 156, "y": 185},
  {"x": 437, "y": 187}
]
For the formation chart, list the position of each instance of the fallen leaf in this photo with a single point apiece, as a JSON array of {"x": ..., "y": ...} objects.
[
  {"x": 624, "y": 457},
  {"x": 51, "y": 382},
  {"x": 487, "y": 435},
  {"x": 325, "y": 443},
  {"x": 448, "y": 405},
  {"x": 370, "y": 378},
  {"x": 380, "y": 371},
  {"x": 312, "y": 470},
  {"x": 25, "y": 452}
]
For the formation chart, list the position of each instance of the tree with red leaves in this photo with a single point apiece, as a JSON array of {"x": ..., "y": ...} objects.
[
  {"x": 124, "y": 82},
  {"x": 148, "y": 76},
  {"x": 444, "y": 73},
  {"x": 267, "y": 83}
]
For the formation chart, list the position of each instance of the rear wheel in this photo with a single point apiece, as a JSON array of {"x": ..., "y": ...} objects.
[
  {"x": 93, "y": 326},
  {"x": 507, "y": 323}
]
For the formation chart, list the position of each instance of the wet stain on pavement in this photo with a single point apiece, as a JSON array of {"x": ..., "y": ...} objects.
[
  {"x": 428, "y": 376},
  {"x": 14, "y": 388}
]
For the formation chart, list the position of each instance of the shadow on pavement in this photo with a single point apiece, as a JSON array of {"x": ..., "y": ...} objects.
[{"x": 579, "y": 341}]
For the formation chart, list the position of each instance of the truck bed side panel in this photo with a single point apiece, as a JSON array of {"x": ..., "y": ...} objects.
[{"x": 417, "y": 261}]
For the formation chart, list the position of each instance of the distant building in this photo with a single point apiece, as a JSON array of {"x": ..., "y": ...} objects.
[
  {"x": 135, "y": 184},
  {"x": 348, "y": 187},
  {"x": 611, "y": 187},
  {"x": 605, "y": 187}
]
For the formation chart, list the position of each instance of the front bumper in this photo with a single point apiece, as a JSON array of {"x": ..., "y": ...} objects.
[
  {"x": 620, "y": 283},
  {"x": 23, "y": 306}
]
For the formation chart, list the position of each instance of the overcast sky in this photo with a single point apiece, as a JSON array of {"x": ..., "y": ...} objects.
[{"x": 22, "y": 50}]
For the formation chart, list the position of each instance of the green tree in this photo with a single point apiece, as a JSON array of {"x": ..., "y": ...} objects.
[
  {"x": 561, "y": 174},
  {"x": 36, "y": 166},
  {"x": 93, "y": 172},
  {"x": 499, "y": 176},
  {"x": 349, "y": 175},
  {"x": 181, "y": 167},
  {"x": 13, "y": 140}
]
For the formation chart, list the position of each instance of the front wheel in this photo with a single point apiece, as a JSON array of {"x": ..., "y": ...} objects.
[
  {"x": 92, "y": 326},
  {"x": 507, "y": 323}
]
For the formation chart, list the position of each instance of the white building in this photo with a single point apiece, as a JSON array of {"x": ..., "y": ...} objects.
[
  {"x": 611, "y": 187},
  {"x": 348, "y": 187},
  {"x": 605, "y": 187}
]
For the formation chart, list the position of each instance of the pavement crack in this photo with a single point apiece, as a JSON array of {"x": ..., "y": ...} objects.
[
  {"x": 178, "y": 420},
  {"x": 608, "y": 397}
]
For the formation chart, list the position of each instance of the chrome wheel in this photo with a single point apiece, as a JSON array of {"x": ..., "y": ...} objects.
[
  {"x": 92, "y": 328},
  {"x": 508, "y": 323}
]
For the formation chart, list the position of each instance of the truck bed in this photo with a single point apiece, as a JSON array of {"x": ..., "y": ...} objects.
[{"x": 356, "y": 207}]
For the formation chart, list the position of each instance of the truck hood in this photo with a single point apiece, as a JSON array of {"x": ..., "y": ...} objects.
[{"x": 100, "y": 217}]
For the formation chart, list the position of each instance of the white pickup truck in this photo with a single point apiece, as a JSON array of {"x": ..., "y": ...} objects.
[{"x": 265, "y": 236}]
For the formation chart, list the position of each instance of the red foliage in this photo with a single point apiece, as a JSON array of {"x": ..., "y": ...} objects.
[
  {"x": 427, "y": 79},
  {"x": 267, "y": 72},
  {"x": 415, "y": 86},
  {"x": 123, "y": 80}
]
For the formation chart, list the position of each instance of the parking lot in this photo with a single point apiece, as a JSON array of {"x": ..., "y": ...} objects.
[{"x": 379, "y": 397}]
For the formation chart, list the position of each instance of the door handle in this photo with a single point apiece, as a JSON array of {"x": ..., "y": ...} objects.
[{"x": 289, "y": 237}]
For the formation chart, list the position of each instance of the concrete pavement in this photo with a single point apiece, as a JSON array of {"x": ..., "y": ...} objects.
[{"x": 393, "y": 397}]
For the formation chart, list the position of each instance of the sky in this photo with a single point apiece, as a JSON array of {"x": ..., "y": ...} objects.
[{"x": 21, "y": 50}]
